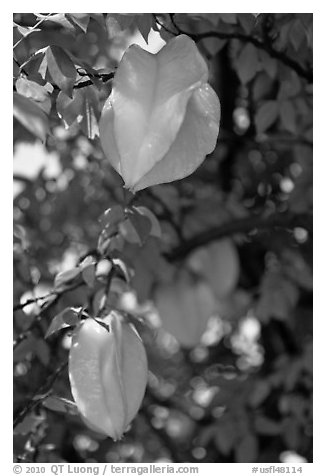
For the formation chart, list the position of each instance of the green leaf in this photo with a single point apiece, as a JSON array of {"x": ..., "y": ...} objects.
[
  {"x": 142, "y": 225},
  {"x": 225, "y": 435},
  {"x": 24, "y": 348},
  {"x": 66, "y": 277},
  {"x": 112, "y": 216},
  {"x": 89, "y": 274},
  {"x": 58, "y": 18},
  {"x": 36, "y": 65},
  {"x": 278, "y": 297},
  {"x": 66, "y": 318},
  {"x": 61, "y": 69},
  {"x": 266, "y": 115},
  {"x": 90, "y": 113},
  {"x": 123, "y": 268},
  {"x": 229, "y": 18},
  {"x": 247, "y": 450},
  {"x": 247, "y": 63},
  {"x": 29, "y": 424},
  {"x": 156, "y": 227},
  {"x": 59, "y": 404},
  {"x": 31, "y": 89},
  {"x": 129, "y": 232},
  {"x": 144, "y": 24},
  {"x": 247, "y": 21},
  {"x": 266, "y": 426},
  {"x": 68, "y": 108},
  {"x": 260, "y": 392},
  {"x": 42, "y": 351},
  {"x": 288, "y": 116},
  {"x": 80, "y": 19},
  {"x": 35, "y": 91},
  {"x": 31, "y": 116},
  {"x": 25, "y": 30}
]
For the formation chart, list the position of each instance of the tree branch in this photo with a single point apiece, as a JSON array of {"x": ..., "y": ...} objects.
[
  {"x": 23, "y": 335},
  {"x": 42, "y": 393},
  {"x": 263, "y": 45},
  {"x": 286, "y": 221}
]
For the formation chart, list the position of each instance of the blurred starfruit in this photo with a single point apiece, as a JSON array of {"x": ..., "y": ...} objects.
[
  {"x": 108, "y": 373},
  {"x": 162, "y": 117},
  {"x": 219, "y": 264},
  {"x": 184, "y": 307}
]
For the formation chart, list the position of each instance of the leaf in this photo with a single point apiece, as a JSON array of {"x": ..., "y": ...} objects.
[
  {"x": 68, "y": 108},
  {"x": 112, "y": 216},
  {"x": 123, "y": 268},
  {"x": 90, "y": 113},
  {"x": 66, "y": 318},
  {"x": 156, "y": 227},
  {"x": 125, "y": 20},
  {"x": 58, "y": 18},
  {"x": 266, "y": 426},
  {"x": 247, "y": 21},
  {"x": 268, "y": 63},
  {"x": 60, "y": 404},
  {"x": 142, "y": 225},
  {"x": 61, "y": 69},
  {"x": 225, "y": 436},
  {"x": 145, "y": 23},
  {"x": 25, "y": 30},
  {"x": 81, "y": 107},
  {"x": 89, "y": 274},
  {"x": 29, "y": 424},
  {"x": 81, "y": 19},
  {"x": 42, "y": 351},
  {"x": 247, "y": 63},
  {"x": 24, "y": 348},
  {"x": 260, "y": 392},
  {"x": 247, "y": 450},
  {"x": 230, "y": 18},
  {"x": 129, "y": 232},
  {"x": 277, "y": 298},
  {"x": 36, "y": 65},
  {"x": 31, "y": 116},
  {"x": 266, "y": 115},
  {"x": 288, "y": 116},
  {"x": 66, "y": 277},
  {"x": 35, "y": 91}
]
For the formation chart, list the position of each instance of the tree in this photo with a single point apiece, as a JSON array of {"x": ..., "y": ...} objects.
[{"x": 213, "y": 270}]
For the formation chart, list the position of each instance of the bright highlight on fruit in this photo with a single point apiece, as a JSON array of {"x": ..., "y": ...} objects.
[
  {"x": 108, "y": 373},
  {"x": 162, "y": 117}
]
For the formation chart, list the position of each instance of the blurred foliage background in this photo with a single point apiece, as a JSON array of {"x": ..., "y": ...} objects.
[{"x": 240, "y": 227}]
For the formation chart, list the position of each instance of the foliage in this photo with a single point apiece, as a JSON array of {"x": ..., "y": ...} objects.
[{"x": 239, "y": 228}]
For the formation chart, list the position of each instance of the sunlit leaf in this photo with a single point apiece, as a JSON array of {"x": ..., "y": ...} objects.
[
  {"x": 66, "y": 318},
  {"x": 31, "y": 116},
  {"x": 61, "y": 69}
]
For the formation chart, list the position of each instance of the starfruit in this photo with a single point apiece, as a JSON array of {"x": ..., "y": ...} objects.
[
  {"x": 108, "y": 373},
  {"x": 162, "y": 117},
  {"x": 184, "y": 308}
]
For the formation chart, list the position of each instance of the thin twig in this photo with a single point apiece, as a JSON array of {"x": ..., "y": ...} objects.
[
  {"x": 42, "y": 393},
  {"x": 37, "y": 319}
]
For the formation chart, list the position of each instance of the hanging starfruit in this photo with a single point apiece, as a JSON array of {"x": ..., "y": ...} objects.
[
  {"x": 184, "y": 307},
  {"x": 219, "y": 264},
  {"x": 162, "y": 117},
  {"x": 108, "y": 373}
]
